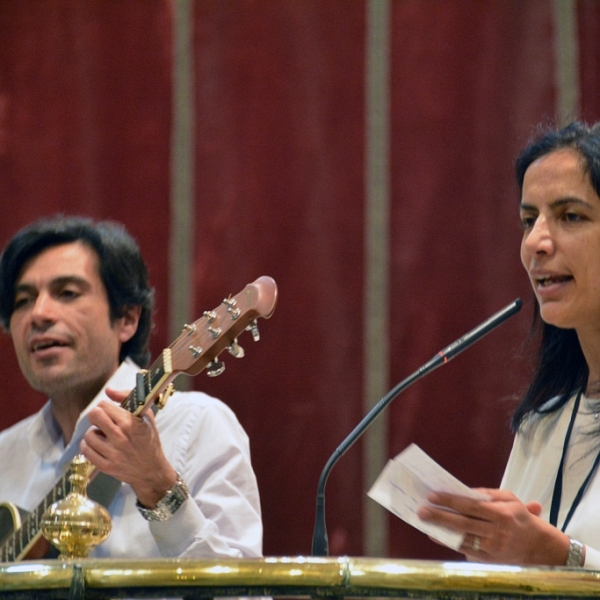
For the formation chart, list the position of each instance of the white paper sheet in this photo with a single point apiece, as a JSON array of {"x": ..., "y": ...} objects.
[{"x": 407, "y": 480}]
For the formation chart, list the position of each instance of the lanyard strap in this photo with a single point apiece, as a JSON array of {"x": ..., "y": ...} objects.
[{"x": 557, "y": 493}]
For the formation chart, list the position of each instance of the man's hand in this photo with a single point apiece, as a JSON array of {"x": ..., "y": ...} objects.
[
  {"x": 128, "y": 448},
  {"x": 501, "y": 530}
]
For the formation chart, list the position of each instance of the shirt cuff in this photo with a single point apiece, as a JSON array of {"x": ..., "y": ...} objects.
[
  {"x": 176, "y": 534},
  {"x": 592, "y": 559}
]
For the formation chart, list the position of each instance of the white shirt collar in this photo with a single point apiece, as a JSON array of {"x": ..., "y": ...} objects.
[{"x": 46, "y": 434}]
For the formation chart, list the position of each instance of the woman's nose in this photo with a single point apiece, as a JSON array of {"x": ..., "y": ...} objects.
[{"x": 539, "y": 238}]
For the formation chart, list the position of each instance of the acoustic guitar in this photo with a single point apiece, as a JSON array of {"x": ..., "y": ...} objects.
[{"x": 197, "y": 348}]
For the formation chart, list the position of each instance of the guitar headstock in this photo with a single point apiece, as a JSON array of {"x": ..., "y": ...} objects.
[{"x": 202, "y": 341}]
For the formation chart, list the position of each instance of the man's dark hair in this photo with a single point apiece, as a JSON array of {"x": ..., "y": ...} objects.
[
  {"x": 121, "y": 268},
  {"x": 560, "y": 367}
]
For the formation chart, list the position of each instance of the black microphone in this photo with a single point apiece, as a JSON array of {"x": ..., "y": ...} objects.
[{"x": 319, "y": 541}]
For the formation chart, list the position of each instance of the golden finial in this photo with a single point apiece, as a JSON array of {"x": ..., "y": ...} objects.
[{"x": 76, "y": 524}]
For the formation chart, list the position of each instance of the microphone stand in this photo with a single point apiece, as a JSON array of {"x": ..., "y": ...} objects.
[{"x": 319, "y": 541}]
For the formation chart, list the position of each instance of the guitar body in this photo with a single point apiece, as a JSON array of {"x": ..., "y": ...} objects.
[{"x": 11, "y": 519}]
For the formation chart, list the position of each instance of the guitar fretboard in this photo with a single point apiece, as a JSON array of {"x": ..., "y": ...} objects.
[{"x": 20, "y": 541}]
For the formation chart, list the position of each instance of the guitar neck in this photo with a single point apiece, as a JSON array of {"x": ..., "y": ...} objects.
[
  {"x": 154, "y": 382},
  {"x": 18, "y": 543}
]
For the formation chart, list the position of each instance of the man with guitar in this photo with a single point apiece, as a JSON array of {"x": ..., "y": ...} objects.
[{"x": 75, "y": 299}]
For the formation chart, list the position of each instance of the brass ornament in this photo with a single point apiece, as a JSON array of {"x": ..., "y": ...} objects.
[{"x": 75, "y": 525}]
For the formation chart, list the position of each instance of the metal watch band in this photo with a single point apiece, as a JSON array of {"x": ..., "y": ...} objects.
[
  {"x": 575, "y": 557},
  {"x": 168, "y": 505}
]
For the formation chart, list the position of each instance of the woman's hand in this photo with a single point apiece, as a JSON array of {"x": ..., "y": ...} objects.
[{"x": 500, "y": 530}]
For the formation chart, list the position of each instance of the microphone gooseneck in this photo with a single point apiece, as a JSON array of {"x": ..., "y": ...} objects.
[{"x": 319, "y": 541}]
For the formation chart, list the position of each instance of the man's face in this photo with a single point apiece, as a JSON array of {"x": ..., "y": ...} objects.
[{"x": 65, "y": 343}]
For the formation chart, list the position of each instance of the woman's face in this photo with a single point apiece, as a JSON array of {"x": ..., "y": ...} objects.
[{"x": 560, "y": 213}]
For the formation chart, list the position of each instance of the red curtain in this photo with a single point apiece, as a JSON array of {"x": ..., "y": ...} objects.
[
  {"x": 280, "y": 171},
  {"x": 85, "y": 110},
  {"x": 85, "y": 127},
  {"x": 468, "y": 82}
]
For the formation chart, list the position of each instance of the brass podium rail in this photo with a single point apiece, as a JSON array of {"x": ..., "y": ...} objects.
[{"x": 293, "y": 577}]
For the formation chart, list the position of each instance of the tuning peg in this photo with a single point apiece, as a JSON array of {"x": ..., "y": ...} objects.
[
  {"x": 195, "y": 350},
  {"x": 231, "y": 309},
  {"x": 253, "y": 328},
  {"x": 210, "y": 315},
  {"x": 215, "y": 332},
  {"x": 189, "y": 328},
  {"x": 235, "y": 349},
  {"x": 215, "y": 368}
]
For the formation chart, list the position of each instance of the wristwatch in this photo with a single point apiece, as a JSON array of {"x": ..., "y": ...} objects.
[
  {"x": 575, "y": 556},
  {"x": 168, "y": 505}
]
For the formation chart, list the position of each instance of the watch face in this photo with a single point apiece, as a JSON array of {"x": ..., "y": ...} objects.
[
  {"x": 575, "y": 557},
  {"x": 155, "y": 514},
  {"x": 169, "y": 504}
]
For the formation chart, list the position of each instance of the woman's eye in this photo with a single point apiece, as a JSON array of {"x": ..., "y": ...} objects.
[
  {"x": 527, "y": 221},
  {"x": 572, "y": 217}
]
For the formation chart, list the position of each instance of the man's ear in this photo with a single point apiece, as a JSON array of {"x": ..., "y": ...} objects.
[{"x": 127, "y": 323}]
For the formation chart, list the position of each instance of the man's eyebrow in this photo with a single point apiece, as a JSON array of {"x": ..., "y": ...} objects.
[{"x": 58, "y": 281}]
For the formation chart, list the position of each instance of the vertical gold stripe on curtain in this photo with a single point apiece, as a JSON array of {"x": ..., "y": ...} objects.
[
  {"x": 567, "y": 60},
  {"x": 181, "y": 234},
  {"x": 376, "y": 300}
]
